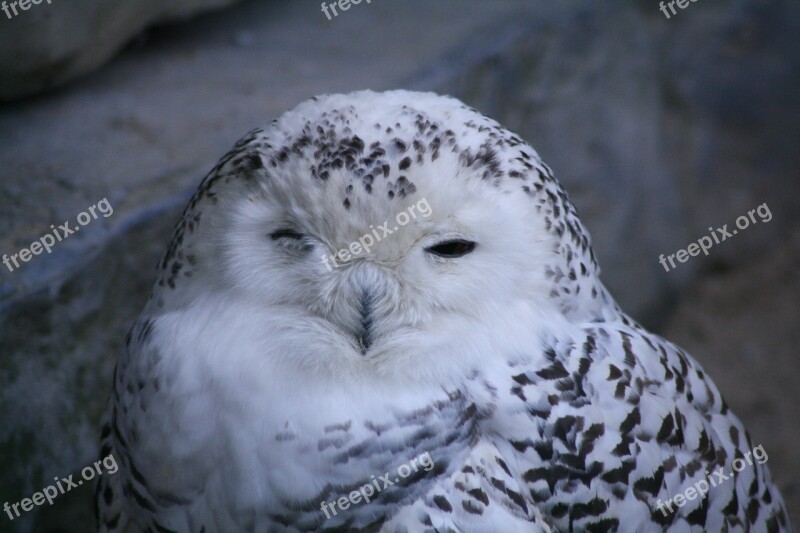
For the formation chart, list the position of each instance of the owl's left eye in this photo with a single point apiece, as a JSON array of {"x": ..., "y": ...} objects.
[
  {"x": 452, "y": 248},
  {"x": 286, "y": 234}
]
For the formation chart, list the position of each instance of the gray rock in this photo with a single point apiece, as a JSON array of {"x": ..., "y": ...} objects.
[
  {"x": 732, "y": 122},
  {"x": 51, "y": 42}
]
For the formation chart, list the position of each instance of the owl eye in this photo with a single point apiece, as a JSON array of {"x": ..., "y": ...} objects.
[
  {"x": 292, "y": 240},
  {"x": 451, "y": 249},
  {"x": 285, "y": 234}
]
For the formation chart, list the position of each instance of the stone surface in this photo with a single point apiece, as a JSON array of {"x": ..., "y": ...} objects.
[
  {"x": 52, "y": 42},
  {"x": 658, "y": 128}
]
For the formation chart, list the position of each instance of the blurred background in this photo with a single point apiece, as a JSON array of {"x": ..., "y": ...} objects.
[{"x": 658, "y": 128}]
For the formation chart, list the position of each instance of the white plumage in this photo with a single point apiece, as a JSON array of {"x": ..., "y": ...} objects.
[{"x": 258, "y": 384}]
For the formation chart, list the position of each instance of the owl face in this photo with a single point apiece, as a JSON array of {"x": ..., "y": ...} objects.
[
  {"x": 375, "y": 225},
  {"x": 380, "y": 269}
]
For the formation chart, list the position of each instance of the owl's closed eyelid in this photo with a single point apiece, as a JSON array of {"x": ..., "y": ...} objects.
[{"x": 285, "y": 234}]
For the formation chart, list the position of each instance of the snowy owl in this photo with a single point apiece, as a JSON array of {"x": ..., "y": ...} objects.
[{"x": 382, "y": 313}]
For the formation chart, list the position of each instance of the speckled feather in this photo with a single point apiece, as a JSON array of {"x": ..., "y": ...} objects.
[{"x": 246, "y": 396}]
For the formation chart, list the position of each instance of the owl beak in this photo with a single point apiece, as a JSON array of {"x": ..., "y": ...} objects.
[
  {"x": 364, "y": 304},
  {"x": 364, "y": 334},
  {"x": 363, "y": 343}
]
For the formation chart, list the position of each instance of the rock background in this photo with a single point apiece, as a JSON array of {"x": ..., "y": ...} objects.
[
  {"x": 50, "y": 43},
  {"x": 658, "y": 128}
]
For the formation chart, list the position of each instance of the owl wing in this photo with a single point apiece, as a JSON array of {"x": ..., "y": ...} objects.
[
  {"x": 115, "y": 495},
  {"x": 481, "y": 495},
  {"x": 130, "y": 501},
  {"x": 617, "y": 423},
  {"x": 109, "y": 506}
]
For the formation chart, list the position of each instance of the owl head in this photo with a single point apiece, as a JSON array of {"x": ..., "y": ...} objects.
[{"x": 379, "y": 218}]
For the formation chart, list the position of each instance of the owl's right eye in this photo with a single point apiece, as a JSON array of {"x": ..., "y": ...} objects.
[{"x": 292, "y": 240}]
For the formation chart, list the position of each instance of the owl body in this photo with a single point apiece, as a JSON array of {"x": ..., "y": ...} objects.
[{"x": 264, "y": 388}]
